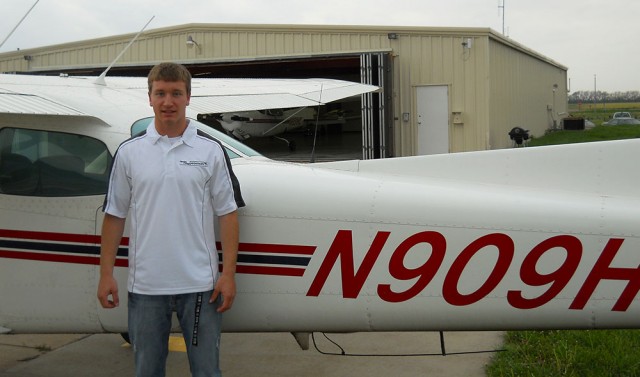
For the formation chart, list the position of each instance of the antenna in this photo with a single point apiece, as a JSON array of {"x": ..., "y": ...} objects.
[
  {"x": 14, "y": 29},
  {"x": 100, "y": 80}
]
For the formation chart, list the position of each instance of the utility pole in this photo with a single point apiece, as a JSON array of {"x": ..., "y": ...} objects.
[
  {"x": 502, "y": 6},
  {"x": 595, "y": 92}
]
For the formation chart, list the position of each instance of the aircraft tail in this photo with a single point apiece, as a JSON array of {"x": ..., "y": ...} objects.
[{"x": 605, "y": 168}]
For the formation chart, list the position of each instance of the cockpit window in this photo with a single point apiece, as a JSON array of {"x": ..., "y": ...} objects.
[
  {"x": 233, "y": 147},
  {"x": 52, "y": 164},
  {"x": 140, "y": 125}
]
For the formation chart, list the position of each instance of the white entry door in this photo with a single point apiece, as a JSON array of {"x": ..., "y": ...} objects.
[{"x": 433, "y": 119}]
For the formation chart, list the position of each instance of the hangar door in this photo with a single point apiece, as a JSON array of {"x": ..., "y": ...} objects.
[
  {"x": 375, "y": 134},
  {"x": 433, "y": 119}
]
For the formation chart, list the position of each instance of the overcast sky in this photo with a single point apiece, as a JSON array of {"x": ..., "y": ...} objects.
[{"x": 596, "y": 39}]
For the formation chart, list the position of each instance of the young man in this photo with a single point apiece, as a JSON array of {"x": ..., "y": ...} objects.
[{"x": 172, "y": 180}]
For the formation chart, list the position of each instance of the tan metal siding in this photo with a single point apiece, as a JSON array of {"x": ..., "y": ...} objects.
[
  {"x": 216, "y": 44},
  {"x": 226, "y": 46},
  {"x": 442, "y": 60},
  {"x": 522, "y": 94}
]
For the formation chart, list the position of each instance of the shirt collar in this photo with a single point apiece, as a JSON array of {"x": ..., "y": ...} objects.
[{"x": 188, "y": 136}]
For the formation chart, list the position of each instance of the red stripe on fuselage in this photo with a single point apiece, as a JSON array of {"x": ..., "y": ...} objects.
[
  {"x": 277, "y": 271},
  {"x": 62, "y": 258},
  {"x": 59, "y": 237},
  {"x": 273, "y": 248},
  {"x": 123, "y": 262}
]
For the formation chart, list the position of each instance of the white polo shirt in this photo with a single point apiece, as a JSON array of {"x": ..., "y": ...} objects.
[{"x": 171, "y": 191}]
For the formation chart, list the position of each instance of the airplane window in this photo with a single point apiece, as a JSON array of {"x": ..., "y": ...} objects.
[
  {"x": 52, "y": 164},
  {"x": 233, "y": 147},
  {"x": 140, "y": 125}
]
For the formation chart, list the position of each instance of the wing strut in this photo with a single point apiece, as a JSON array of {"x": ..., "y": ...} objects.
[
  {"x": 286, "y": 119},
  {"x": 315, "y": 133},
  {"x": 100, "y": 79},
  {"x": 23, "y": 17}
]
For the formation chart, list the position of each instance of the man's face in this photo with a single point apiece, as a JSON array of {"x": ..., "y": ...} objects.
[{"x": 169, "y": 100}]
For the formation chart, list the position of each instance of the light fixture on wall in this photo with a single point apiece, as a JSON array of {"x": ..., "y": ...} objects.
[{"x": 191, "y": 42}]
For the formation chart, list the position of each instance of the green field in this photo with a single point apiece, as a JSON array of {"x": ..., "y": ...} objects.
[
  {"x": 601, "y": 112},
  {"x": 598, "y": 133},
  {"x": 574, "y": 353}
]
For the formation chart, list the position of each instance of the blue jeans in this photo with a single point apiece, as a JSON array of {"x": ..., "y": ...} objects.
[{"x": 150, "y": 325}]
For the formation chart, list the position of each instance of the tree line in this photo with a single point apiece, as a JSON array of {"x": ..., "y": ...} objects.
[{"x": 585, "y": 96}]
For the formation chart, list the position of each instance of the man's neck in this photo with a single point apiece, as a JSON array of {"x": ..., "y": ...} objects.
[{"x": 171, "y": 129}]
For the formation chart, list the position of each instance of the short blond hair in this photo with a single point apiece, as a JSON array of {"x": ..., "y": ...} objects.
[{"x": 170, "y": 72}]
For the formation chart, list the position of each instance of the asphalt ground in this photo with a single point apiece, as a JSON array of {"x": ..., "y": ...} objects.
[{"x": 264, "y": 354}]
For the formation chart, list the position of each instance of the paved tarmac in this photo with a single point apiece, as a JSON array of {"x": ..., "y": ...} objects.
[{"x": 264, "y": 355}]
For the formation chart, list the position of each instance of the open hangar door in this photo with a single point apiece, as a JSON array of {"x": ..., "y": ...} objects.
[
  {"x": 353, "y": 128},
  {"x": 377, "y": 113}
]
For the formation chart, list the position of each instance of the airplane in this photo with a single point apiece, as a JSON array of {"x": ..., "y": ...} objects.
[
  {"x": 263, "y": 123},
  {"x": 526, "y": 238},
  {"x": 243, "y": 125}
]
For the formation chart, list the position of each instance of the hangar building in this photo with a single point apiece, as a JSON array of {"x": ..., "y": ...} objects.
[{"x": 443, "y": 89}]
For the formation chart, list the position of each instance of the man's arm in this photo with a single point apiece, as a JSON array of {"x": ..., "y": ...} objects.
[
  {"x": 226, "y": 284},
  {"x": 112, "y": 230}
]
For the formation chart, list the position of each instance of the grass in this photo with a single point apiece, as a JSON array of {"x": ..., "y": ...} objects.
[
  {"x": 598, "y": 133},
  {"x": 572, "y": 353}
]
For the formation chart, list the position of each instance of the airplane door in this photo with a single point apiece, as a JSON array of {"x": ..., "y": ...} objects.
[{"x": 433, "y": 119}]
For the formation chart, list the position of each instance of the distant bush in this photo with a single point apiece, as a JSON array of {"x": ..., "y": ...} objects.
[{"x": 586, "y": 96}]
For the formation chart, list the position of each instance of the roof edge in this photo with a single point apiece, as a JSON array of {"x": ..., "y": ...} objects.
[{"x": 192, "y": 27}]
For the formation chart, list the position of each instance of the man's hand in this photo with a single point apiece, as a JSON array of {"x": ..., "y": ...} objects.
[
  {"x": 225, "y": 286},
  {"x": 112, "y": 229},
  {"x": 108, "y": 286}
]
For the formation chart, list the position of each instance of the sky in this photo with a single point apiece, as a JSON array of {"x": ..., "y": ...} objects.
[{"x": 597, "y": 40}]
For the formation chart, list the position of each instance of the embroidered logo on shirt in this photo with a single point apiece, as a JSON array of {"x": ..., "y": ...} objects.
[{"x": 193, "y": 163}]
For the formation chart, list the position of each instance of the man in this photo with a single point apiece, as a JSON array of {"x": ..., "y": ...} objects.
[{"x": 172, "y": 180}]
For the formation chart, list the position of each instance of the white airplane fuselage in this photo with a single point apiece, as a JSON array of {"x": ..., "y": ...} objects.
[{"x": 528, "y": 238}]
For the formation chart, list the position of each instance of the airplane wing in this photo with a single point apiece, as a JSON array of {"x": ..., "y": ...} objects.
[
  {"x": 22, "y": 94},
  {"x": 228, "y": 95},
  {"x": 17, "y": 103},
  {"x": 42, "y": 95}
]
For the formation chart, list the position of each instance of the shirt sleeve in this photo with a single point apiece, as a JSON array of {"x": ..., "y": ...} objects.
[
  {"x": 225, "y": 189},
  {"x": 118, "y": 196}
]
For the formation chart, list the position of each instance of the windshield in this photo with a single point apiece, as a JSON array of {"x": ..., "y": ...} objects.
[{"x": 233, "y": 147}]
